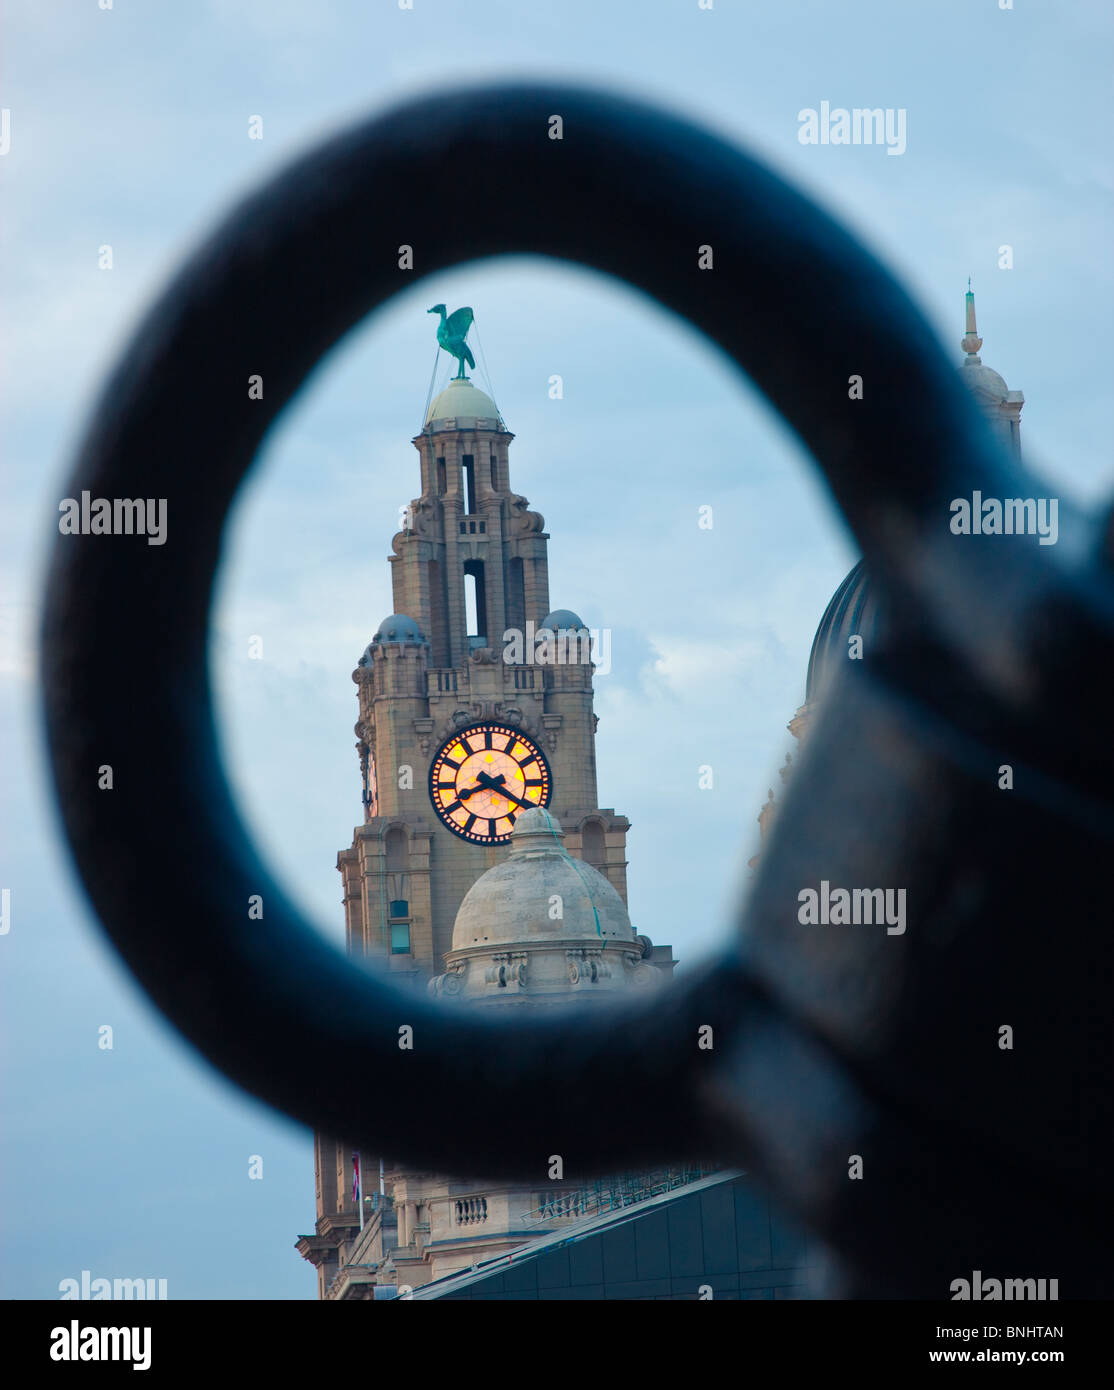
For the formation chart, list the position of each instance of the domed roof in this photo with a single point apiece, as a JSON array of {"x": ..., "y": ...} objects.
[
  {"x": 514, "y": 901},
  {"x": 983, "y": 380},
  {"x": 852, "y": 611},
  {"x": 399, "y": 627},
  {"x": 463, "y": 402},
  {"x": 560, "y": 620}
]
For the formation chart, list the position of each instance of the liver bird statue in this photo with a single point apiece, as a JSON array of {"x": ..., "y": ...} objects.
[{"x": 451, "y": 333}]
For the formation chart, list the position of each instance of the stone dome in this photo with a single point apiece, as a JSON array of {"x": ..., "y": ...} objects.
[
  {"x": 983, "y": 380},
  {"x": 543, "y": 928},
  {"x": 561, "y": 620},
  {"x": 399, "y": 627},
  {"x": 852, "y": 611},
  {"x": 465, "y": 403},
  {"x": 514, "y": 901}
]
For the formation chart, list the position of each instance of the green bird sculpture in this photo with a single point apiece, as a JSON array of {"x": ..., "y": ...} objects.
[{"x": 451, "y": 333}]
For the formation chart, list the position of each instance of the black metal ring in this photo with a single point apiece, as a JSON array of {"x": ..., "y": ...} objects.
[{"x": 630, "y": 191}]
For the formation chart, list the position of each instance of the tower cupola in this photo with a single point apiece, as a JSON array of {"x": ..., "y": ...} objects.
[
  {"x": 462, "y": 405},
  {"x": 542, "y": 927}
]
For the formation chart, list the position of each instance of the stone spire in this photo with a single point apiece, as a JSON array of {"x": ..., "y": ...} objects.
[{"x": 971, "y": 341}]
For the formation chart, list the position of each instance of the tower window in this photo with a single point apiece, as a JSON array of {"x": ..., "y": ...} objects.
[
  {"x": 475, "y": 598},
  {"x": 468, "y": 465},
  {"x": 494, "y": 474},
  {"x": 400, "y": 939},
  {"x": 442, "y": 481},
  {"x": 400, "y": 907},
  {"x": 470, "y": 604}
]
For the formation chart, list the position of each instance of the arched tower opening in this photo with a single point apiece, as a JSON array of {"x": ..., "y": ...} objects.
[{"x": 475, "y": 599}]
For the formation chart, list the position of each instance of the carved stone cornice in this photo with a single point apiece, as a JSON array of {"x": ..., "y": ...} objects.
[
  {"x": 315, "y": 1249},
  {"x": 587, "y": 966},
  {"x": 496, "y": 711},
  {"x": 508, "y": 970},
  {"x": 335, "y": 1228}
]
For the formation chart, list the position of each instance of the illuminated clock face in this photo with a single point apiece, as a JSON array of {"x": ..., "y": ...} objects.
[{"x": 483, "y": 778}]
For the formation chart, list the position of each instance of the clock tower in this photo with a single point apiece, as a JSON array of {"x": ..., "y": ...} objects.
[
  {"x": 475, "y": 698},
  {"x": 475, "y": 715}
]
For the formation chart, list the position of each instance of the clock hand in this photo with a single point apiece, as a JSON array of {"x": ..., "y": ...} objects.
[
  {"x": 495, "y": 784},
  {"x": 484, "y": 783},
  {"x": 511, "y": 796}
]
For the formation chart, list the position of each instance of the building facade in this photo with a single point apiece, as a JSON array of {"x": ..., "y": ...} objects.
[{"x": 485, "y": 869}]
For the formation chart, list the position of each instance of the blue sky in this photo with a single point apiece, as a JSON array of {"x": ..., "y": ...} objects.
[{"x": 129, "y": 127}]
